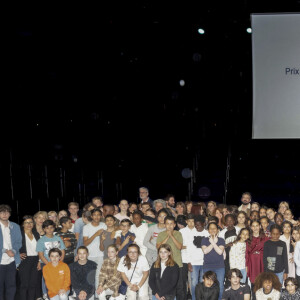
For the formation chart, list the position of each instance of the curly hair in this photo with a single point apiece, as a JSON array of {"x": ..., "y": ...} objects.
[{"x": 267, "y": 276}]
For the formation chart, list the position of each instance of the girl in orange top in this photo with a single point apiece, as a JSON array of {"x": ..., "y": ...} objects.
[{"x": 57, "y": 276}]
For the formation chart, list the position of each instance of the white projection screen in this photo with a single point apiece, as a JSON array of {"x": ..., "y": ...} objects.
[{"x": 276, "y": 75}]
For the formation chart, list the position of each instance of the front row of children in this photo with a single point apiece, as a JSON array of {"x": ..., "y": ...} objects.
[
  {"x": 267, "y": 286},
  {"x": 58, "y": 277}
]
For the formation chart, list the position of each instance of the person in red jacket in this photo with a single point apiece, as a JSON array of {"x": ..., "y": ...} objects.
[{"x": 254, "y": 252}]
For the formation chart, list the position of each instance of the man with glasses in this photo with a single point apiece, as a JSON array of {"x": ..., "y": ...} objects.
[
  {"x": 10, "y": 244},
  {"x": 144, "y": 196}
]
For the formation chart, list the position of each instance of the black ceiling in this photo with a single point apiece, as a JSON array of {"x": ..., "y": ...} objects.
[{"x": 102, "y": 79}]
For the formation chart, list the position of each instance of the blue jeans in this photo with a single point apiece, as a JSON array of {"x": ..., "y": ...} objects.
[
  {"x": 244, "y": 273},
  {"x": 63, "y": 297},
  {"x": 196, "y": 277},
  {"x": 220, "y": 275},
  {"x": 8, "y": 280},
  {"x": 154, "y": 298},
  {"x": 280, "y": 276},
  {"x": 44, "y": 288}
]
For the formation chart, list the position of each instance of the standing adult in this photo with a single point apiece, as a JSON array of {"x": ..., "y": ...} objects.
[
  {"x": 211, "y": 208},
  {"x": 170, "y": 202},
  {"x": 159, "y": 204},
  {"x": 10, "y": 244},
  {"x": 144, "y": 195},
  {"x": 246, "y": 203},
  {"x": 39, "y": 218},
  {"x": 30, "y": 281}
]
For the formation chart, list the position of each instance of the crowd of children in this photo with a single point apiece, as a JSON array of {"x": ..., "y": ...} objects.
[{"x": 159, "y": 250}]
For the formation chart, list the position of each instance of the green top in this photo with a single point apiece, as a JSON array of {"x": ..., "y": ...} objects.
[{"x": 176, "y": 252}]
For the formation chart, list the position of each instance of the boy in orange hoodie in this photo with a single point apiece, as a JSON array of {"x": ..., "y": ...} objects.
[{"x": 57, "y": 276}]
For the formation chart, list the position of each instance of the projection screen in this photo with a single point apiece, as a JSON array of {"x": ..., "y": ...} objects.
[{"x": 276, "y": 75}]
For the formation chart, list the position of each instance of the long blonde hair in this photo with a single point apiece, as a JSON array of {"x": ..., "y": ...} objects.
[
  {"x": 170, "y": 262},
  {"x": 40, "y": 212}
]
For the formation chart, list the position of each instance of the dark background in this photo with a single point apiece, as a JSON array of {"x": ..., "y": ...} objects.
[{"x": 93, "y": 105}]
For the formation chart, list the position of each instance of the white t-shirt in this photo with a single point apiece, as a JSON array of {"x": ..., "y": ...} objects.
[
  {"x": 94, "y": 246},
  {"x": 274, "y": 295},
  {"x": 162, "y": 267},
  {"x": 192, "y": 254},
  {"x": 6, "y": 244},
  {"x": 142, "y": 266},
  {"x": 140, "y": 233},
  {"x": 30, "y": 246}
]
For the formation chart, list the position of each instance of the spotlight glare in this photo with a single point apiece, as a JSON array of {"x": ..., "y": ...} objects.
[
  {"x": 249, "y": 30},
  {"x": 182, "y": 82},
  {"x": 201, "y": 31}
]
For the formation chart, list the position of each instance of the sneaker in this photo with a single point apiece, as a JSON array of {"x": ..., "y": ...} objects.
[{"x": 45, "y": 297}]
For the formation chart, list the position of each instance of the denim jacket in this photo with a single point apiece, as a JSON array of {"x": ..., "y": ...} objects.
[{"x": 16, "y": 241}]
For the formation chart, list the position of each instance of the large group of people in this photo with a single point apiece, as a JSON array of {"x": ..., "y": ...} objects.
[{"x": 157, "y": 250}]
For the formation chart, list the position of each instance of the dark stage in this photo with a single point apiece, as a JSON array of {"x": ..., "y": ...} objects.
[{"x": 103, "y": 99}]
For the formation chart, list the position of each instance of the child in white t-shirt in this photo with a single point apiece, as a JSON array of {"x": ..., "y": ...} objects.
[{"x": 91, "y": 239}]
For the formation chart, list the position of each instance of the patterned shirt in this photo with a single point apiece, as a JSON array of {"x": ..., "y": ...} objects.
[
  {"x": 109, "y": 277},
  {"x": 286, "y": 296},
  {"x": 237, "y": 256}
]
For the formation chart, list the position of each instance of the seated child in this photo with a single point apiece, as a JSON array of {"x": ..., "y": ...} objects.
[
  {"x": 267, "y": 286},
  {"x": 81, "y": 272},
  {"x": 208, "y": 288},
  {"x": 57, "y": 276},
  {"x": 291, "y": 292},
  {"x": 109, "y": 278},
  {"x": 236, "y": 290}
]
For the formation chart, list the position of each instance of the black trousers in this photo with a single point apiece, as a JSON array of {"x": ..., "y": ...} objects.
[
  {"x": 181, "y": 288},
  {"x": 29, "y": 277},
  {"x": 252, "y": 292},
  {"x": 298, "y": 279}
]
